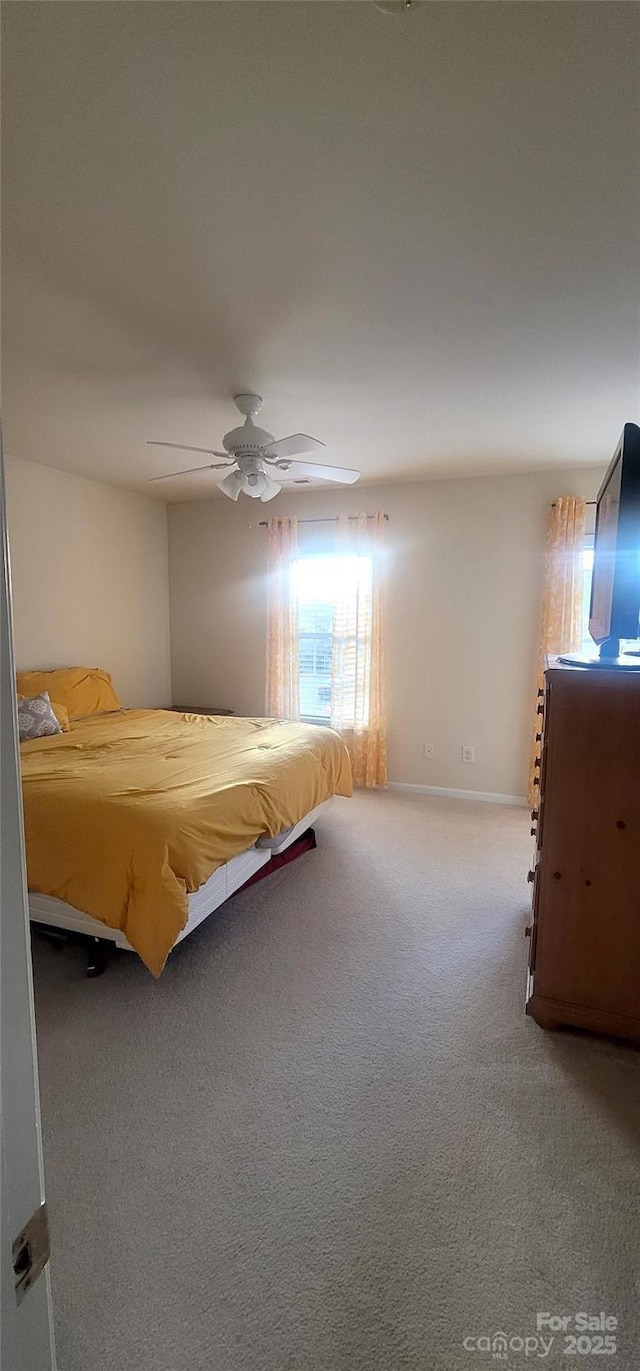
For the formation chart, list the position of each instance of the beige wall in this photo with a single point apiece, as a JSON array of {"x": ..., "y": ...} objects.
[
  {"x": 465, "y": 572},
  {"x": 89, "y": 579}
]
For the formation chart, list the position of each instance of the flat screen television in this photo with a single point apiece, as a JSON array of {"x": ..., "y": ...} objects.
[{"x": 614, "y": 611}]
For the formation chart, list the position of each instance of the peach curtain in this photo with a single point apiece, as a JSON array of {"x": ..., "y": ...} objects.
[
  {"x": 283, "y": 693},
  {"x": 561, "y": 624},
  {"x": 358, "y": 695}
]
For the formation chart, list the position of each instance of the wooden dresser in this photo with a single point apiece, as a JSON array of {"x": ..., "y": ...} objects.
[{"x": 584, "y": 958}]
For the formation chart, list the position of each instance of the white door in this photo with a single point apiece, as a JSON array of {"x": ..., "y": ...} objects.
[{"x": 26, "y": 1333}]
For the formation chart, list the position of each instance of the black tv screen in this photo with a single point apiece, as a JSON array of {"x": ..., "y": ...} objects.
[{"x": 615, "y": 588}]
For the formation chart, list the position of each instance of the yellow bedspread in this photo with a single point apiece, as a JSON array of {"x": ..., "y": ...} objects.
[{"x": 127, "y": 813}]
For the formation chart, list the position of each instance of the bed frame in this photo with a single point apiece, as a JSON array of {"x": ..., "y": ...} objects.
[{"x": 56, "y": 914}]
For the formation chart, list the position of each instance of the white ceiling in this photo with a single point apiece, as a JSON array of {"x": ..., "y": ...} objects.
[{"x": 415, "y": 236}]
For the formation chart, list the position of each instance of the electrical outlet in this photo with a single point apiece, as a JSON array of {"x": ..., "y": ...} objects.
[
  {"x": 428, "y": 750},
  {"x": 468, "y": 753}
]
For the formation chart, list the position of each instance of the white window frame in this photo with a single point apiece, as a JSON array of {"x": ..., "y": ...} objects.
[{"x": 323, "y": 720}]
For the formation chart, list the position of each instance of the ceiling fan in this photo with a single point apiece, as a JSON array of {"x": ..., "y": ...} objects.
[{"x": 253, "y": 458}]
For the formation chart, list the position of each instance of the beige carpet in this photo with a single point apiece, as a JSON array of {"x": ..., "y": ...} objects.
[{"x": 328, "y": 1139}]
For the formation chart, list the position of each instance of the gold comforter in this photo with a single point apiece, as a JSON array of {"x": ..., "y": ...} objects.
[{"x": 127, "y": 813}]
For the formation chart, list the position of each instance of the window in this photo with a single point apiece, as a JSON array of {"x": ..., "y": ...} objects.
[{"x": 319, "y": 583}]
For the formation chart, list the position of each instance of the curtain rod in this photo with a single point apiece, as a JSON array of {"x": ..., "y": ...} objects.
[
  {"x": 587, "y": 502},
  {"x": 265, "y": 522}
]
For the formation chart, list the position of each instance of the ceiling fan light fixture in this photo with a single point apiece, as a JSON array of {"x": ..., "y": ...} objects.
[
  {"x": 231, "y": 485},
  {"x": 271, "y": 489},
  {"x": 254, "y": 484}
]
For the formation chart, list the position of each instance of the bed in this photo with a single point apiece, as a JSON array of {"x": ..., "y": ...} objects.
[
  {"x": 53, "y": 913},
  {"x": 139, "y": 823}
]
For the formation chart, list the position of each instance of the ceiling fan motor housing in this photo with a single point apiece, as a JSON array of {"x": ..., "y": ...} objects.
[{"x": 246, "y": 439}]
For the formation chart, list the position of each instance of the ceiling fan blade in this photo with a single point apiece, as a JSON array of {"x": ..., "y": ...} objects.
[
  {"x": 296, "y": 471},
  {"x": 288, "y": 447},
  {"x": 184, "y": 447},
  {"x": 211, "y": 466}
]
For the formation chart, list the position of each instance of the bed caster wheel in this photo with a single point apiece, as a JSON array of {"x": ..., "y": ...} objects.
[{"x": 96, "y": 957}]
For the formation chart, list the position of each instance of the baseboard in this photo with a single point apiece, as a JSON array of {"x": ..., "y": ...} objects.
[{"x": 489, "y": 796}]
